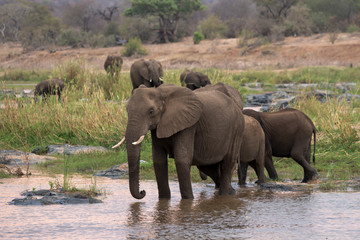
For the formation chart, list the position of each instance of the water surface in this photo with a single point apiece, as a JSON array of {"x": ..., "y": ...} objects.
[{"x": 251, "y": 214}]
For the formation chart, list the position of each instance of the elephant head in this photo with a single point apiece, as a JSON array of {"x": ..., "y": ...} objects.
[
  {"x": 147, "y": 72},
  {"x": 155, "y": 72},
  {"x": 165, "y": 110}
]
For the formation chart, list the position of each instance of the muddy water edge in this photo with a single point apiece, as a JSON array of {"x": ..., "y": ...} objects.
[{"x": 296, "y": 211}]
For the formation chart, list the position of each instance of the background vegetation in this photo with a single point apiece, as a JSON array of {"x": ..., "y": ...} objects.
[
  {"x": 94, "y": 23},
  {"x": 93, "y": 113}
]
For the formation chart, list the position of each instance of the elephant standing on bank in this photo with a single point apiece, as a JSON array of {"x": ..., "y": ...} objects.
[
  {"x": 203, "y": 129},
  {"x": 194, "y": 80},
  {"x": 288, "y": 133},
  {"x": 113, "y": 64},
  {"x": 48, "y": 87},
  {"x": 147, "y": 72}
]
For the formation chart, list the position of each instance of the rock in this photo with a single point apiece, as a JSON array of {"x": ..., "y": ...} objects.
[
  {"x": 49, "y": 197},
  {"x": 115, "y": 171},
  {"x": 275, "y": 186},
  {"x": 19, "y": 158},
  {"x": 69, "y": 149}
]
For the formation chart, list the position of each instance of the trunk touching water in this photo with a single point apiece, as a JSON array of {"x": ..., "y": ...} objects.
[{"x": 133, "y": 154}]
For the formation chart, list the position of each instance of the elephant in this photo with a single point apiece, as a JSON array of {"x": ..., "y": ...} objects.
[
  {"x": 226, "y": 89},
  {"x": 147, "y": 72},
  {"x": 288, "y": 133},
  {"x": 203, "y": 129},
  {"x": 252, "y": 149},
  {"x": 48, "y": 87},
  {"x": 113, "y": 64},
  {"x": 194, "y": 80}
]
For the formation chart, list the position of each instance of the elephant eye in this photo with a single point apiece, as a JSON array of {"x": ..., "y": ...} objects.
[{"x": 151, "y": 112}]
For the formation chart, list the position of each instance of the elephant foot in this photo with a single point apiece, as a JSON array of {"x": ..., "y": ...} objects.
[
  {"x": 310, "y": 177},
  {"x": 241, "y": 183},
  {"x": 231, "y": 191}
]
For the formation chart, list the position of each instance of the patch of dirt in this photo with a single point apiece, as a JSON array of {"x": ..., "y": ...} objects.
[{"x": 293, "y": 52}]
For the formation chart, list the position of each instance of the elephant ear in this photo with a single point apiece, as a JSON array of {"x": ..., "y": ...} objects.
[{"x": 182, "y": 110}]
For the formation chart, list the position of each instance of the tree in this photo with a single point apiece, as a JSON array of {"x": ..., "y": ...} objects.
[
  {"x": 276, "y": 9},
  {"x": 30, "y": 23},
  {"x": 80, "y": 14},
  {"x": 168, "y": 12}
]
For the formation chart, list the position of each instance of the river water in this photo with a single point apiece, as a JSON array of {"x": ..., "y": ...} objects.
[{"x": 252, "y": 213}]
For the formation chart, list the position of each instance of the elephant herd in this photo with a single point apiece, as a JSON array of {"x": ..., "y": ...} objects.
[{"x": 204, "y": 125}]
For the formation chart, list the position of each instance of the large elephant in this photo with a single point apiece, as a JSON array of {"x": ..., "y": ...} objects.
[
  {"x": 203, "y": 129},
  {"x": 48, "y": 87},
  {"x": 194, "y": 80},
  {"x": 288, "y": 133},
  {"x": 252, "y": 149},
  {"x": 147, "y": 72},
  {"x": 113, "y": 64}
]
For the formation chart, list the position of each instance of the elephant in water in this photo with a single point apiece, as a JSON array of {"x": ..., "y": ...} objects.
[
  {"x": 194, "y": 80},
  {"x": 48, "y": 87},
  {"x": 288, "y": 133},
  {"x": 147, "y": 72},
  {"x": 113, "y": 64},
  {"x": 204, "y": 129}
]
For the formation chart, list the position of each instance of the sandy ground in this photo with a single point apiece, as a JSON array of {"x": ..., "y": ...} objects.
[{"x": 293, "y": 52}]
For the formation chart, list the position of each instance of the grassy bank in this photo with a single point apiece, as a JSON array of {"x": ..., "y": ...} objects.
[{"x": 93, "y": 112}]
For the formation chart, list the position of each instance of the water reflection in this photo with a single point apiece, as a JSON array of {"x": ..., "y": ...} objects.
[{"x": 250, "y": 214}]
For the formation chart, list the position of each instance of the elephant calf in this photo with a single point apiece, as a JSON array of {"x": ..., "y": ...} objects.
[
  {"x": 252, "y": 150},
  {"x": 47, "y": 87},
  {"x": 113, "y": 64},
  {"x": 147, "y": 72},
  {"x": 288, "y": 133},
  {"x": 194, "y": 80}
]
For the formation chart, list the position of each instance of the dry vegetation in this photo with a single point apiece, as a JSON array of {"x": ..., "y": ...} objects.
[{"x": 293, "y": 52}]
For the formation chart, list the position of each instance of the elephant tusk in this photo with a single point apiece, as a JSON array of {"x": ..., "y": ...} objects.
[
  {"x": 119, "y": 143},
  {"x": 139, "y": 140},
  {"x": 161, "y": 79},
  {"x": 150, "y": 80}
]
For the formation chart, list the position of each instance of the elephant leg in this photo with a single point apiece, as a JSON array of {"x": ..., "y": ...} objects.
[
  {"x": 298, "y": 154},
  {"x": 242, "y": 172},
  {"x": 183, "y": 155},
  {"x": 226, "y": 170},
  {"x": 260, "y": 161},
  {"x": 161, "y": 171},
  {"x": 213, "y": 172},
  {"x": 269, "y": 165}
]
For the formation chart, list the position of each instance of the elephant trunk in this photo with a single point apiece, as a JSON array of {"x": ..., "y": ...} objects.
[{"x": 133, "y": 147}]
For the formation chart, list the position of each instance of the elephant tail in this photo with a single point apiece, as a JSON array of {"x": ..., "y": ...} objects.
[{"x": 314, "y": 132}]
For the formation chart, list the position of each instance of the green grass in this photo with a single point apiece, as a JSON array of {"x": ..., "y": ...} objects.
[{"x": 93, "y": 112}]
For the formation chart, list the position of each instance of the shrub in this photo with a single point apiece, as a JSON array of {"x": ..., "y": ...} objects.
[
  {"x": 134, "y": 46},
  {"x": 198, "y": 37},
  {"x": 212, "y": 27}
]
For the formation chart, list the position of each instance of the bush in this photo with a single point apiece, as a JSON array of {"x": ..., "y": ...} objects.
[
  {"x": 353, "y": 28},
  {"x": 134, "y": 46},
  {"x": 212, "y": 27},
  {"x": 70, "y": 37},
  {"x": 198, "y": 37}
]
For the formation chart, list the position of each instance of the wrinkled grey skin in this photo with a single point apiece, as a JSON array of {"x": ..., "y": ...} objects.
[
  {"x": 203, "y": 129},
  {"x": 113, "y": 64},
  {"x": 252, "y": 149},
  {"x": 288, "y": 133},
  {"x": 147, "y": 72},
  {"x": 194, "y": 80},
  {"x": 48, "y": 87}
]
